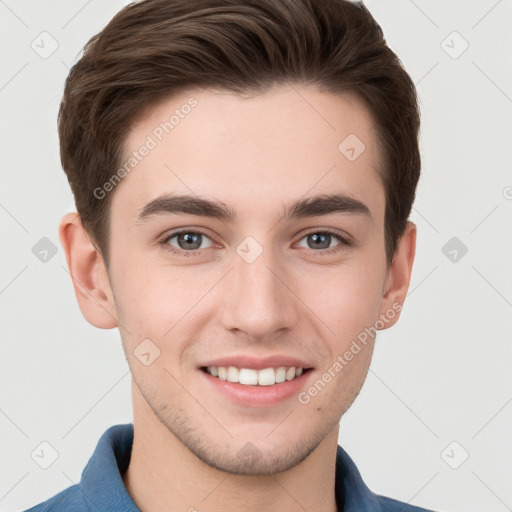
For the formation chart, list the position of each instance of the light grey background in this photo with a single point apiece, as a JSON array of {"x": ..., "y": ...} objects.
[{"x": 441, "y": 375}]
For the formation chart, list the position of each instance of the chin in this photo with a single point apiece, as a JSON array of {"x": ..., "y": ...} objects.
[{"x": 251, "y": 461}]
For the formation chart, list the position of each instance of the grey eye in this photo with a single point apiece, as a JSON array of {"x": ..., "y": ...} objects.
[
  {"x": 188, "y": 240},
  {"x": 319, "y": 240}
]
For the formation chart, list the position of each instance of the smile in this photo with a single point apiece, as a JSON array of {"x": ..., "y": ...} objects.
[{"x": 253, "y": 377}]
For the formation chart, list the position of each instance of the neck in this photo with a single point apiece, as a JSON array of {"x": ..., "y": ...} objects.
[{"x": 164, "y": 475}]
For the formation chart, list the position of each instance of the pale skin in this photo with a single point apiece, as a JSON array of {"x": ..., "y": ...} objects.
[{"x": 254, "y": 154}]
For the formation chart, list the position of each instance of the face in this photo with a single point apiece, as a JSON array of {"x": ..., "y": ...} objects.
[{"x": 250, "y": 282}]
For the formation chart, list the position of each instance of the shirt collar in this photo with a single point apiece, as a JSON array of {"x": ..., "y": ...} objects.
[
  {"x": 102, "y": 484},
  {"x": 352, "y": 494}
]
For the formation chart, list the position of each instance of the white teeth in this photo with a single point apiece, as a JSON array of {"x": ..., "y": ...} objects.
[
  {"x": 267, "y": 377},
  {"x": 248, "y": 376},
  {"x": 233, "y": 374},
  {"x": 252, "y": 377},
  {"x": 290, "y": 373},
  {"x": 280, "y": 374}
]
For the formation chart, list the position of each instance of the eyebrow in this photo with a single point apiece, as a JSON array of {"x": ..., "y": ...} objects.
[{"x": 195, "y": 205}]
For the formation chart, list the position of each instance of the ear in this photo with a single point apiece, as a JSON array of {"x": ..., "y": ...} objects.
[
  {"x": 88, "y": 272},
  {"x": 399, "y": 277}
]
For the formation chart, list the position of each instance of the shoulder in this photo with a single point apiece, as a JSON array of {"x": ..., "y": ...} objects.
[
  {"x": 391, "y": 505},
  {"x": 69, "y": 500},
  {"x": 354, "y": 495}
]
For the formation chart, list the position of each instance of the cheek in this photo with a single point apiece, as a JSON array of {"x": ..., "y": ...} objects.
[
  {"x": 347, "y": 299},
  {"x": 145, "y": 296},
  {"x": 155, "y": 301}
]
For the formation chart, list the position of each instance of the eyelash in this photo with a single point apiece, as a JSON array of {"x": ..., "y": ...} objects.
[{"x": 344, "y": 242}]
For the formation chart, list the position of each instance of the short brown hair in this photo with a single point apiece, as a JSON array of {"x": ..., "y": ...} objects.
[{"x": 155, "y": 48}]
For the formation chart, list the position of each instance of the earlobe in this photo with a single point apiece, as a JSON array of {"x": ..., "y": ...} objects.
[
  {"x": 399, "y": 277},
  {"x": 88, "y": 273}
]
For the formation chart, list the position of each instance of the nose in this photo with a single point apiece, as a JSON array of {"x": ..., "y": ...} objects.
[{"x": 257, "y": 299}]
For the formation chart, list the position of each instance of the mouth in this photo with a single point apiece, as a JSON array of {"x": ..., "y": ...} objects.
[
  {"x": 270, "y": 376},
  {"x": 251, "y": 381}
]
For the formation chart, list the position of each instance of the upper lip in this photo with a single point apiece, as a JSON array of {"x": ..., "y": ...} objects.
[{"x": 258, "y": 363}]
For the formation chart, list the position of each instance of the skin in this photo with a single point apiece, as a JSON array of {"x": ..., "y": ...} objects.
[{"x": 253, "y": 153}]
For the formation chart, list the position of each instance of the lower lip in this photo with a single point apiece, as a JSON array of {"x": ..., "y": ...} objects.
[{"x": 258, "y": 396}]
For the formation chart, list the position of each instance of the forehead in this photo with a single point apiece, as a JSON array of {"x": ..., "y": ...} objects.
[{"x": 252, "y": 152}]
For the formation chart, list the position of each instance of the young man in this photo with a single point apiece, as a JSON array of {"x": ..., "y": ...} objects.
[{"x": 243, "y": 173}]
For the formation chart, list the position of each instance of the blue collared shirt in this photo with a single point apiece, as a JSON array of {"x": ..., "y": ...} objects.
[{"x": 101, "y": 487}]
